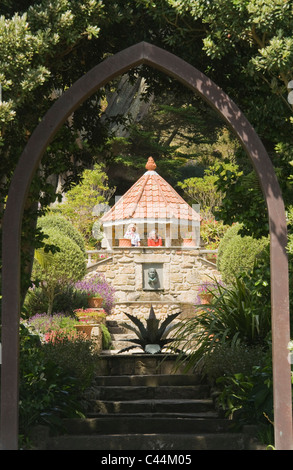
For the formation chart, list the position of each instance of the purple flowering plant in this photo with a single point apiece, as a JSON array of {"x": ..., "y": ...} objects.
[
  {"x": 206, "y": 288},
  {"x": 212, "y": 288},
  {"x": 42, "y": 322},
  {"x": 97, "y": 286}
]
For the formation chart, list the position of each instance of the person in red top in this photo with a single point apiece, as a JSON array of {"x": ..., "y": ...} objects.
[{"x": 154, "y": 239}]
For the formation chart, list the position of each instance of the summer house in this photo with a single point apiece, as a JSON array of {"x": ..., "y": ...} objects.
[
  {"x": 152, "y": 204},
  {"x": 167, "y": 276}
]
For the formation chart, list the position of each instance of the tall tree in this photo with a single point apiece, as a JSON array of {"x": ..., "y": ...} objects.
[
  {"x": 44, "y": 48},
  {"x": 85, "y": 203},
  {"x": 244, "y": 45}
]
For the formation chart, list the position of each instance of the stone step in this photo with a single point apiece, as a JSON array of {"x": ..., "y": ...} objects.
[
  {"x": 116, "y": 330},
  {"x": 173, "y": 414},
  {"x": 148, "y": 442},
  {"x": 111, "y": 324},
  {"x": 127, "y": 424},
  {"x": 137, "y": 392},
  {"x": 152, "y": 406},
  {"x": 139, "y": 363},
  {"x": 148, "y": 402},
  {"x": 118, "y": 347},
  {"x": 118, "y": 326},
  {"x": 124, "y": 337},
  {"x": 120, "y": 336},
  {"x": 122, "y": 343},
  {"x": 147, "y": 380},
  {"x": 120, "y": 329},
  {"x": 115, "y": 352}
]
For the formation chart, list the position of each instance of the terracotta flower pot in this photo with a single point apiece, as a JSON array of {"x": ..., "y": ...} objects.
[
  {"x": 95, "y": 302},
  {"x": 205, "y": 298},
  {"x": 85, "y": 328},
  {"x": 124, "y": 242},
  {"x": 188, "y": 242}
]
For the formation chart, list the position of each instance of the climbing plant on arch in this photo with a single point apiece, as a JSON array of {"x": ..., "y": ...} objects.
[{"x": 143, "y": 53}]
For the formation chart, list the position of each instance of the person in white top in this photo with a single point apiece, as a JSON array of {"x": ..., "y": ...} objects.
[{"x": 133, "y": 235}]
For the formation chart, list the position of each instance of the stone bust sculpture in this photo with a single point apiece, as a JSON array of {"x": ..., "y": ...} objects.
[{"x": 152, "y": 277}]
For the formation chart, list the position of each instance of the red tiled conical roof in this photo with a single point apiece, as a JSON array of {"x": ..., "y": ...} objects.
[{"x": 151, "y": 197}]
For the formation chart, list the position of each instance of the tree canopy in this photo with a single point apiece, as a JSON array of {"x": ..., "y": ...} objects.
[
  {"x": 66, "y": 264},
  {"x": 86, "y": 202},
  {"x": 245, "y": 46}
]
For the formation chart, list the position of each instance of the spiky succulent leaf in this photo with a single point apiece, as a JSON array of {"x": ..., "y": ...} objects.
[
  {"x": 165, "y": 341},
  {"x": 132, "y": 328},
  {"x": 152, "y": 313},
  {"x": 138, "y": 323},
  {"x": 168, "y": 329},
  {"x": 167, "y": 321},
  {"x": 152, "y": 329},
  {"x": 135, "y": 341},
  {"x": 152, "y": 334},
  {"x": 126, "y": 349}
]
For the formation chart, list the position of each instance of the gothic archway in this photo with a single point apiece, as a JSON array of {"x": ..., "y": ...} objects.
[{"x": 143, "y": 53}]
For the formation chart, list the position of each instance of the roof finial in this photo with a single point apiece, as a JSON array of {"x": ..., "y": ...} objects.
[{"x": 150, "y": 165}]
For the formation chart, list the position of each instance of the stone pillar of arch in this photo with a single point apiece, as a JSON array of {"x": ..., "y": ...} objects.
[{"x": 143, "y": 53}]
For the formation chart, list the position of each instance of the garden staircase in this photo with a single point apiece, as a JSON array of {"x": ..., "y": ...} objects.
[
  {"x": 141, "y": 402},
  {"x": 119, "y": 336}
]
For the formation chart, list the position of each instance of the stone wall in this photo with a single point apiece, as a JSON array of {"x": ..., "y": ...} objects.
[{"x": 180, "y": 271}]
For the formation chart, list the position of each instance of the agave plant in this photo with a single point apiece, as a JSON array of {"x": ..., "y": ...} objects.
[{"x": 151, "y": 338}]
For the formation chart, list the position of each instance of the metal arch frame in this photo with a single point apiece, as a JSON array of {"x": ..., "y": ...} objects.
[{"x": 143, "y": 53}]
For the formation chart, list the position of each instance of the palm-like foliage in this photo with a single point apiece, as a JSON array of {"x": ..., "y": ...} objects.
[
  {"x": 152, "y": 337},
  {"x": 234, "y": 316}
]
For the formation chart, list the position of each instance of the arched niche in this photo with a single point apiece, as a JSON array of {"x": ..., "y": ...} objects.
[{"x": 143, "y": 53}]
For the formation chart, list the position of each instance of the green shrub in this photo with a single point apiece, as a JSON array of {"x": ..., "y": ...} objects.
[
  {"x": 54, "y": 271},
  {"x": 82, "y": 198},
  {"x": 235, "y": 316},
  {"x": 212, "y": 232},
  {"x": 230, "y": 233},
  {"x": 69, "y": 299},
  {"x": 242, "y": 377},
  {"x": 228, "y": 360},
  {"x": 66, "y": 301},
  {"x": 35, "y": 301},
  {"x": 75, "y": 355},
  {"x": 238, "y": 253},
  {"x": 49, "y": 391},
  {"x": 62, "y": 225},
  {"x": 249, "y": 394},
  {"x": 106, "y": 337},
  {"x": 44, "y": 323}
]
